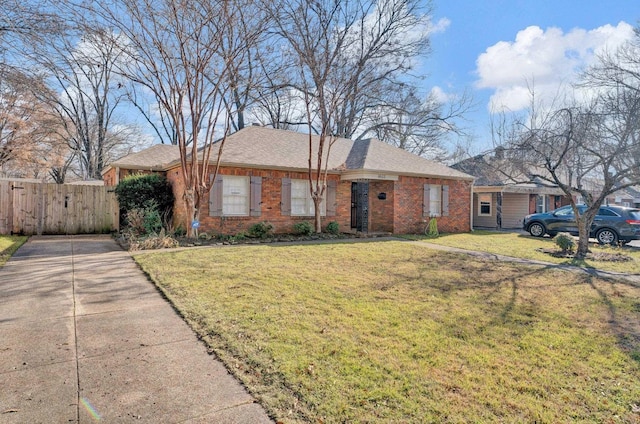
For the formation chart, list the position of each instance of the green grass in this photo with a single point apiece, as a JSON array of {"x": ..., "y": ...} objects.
[
  {"x": 8, "y": 246},
  {"x": 525, "y": 246},
  {"x": 395, "y": 332}
]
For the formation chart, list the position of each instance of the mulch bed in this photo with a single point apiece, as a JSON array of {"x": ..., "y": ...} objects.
[{"x": 594, "y": 256}]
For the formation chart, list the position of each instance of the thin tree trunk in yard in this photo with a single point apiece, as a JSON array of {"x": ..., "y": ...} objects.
[
  {"x": 583, "y": 240},
  {"x": 189, "y": 203},
  {"x": 317, "y": 202}
]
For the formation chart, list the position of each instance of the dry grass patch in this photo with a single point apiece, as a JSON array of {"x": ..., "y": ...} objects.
[
  {"x": 397, "y": 332},
  {"x": 524, "y": 246},
  {"x": 9, "y": 245}
]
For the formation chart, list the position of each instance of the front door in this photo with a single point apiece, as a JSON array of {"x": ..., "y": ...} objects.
[{"x": 360, "y": 206}]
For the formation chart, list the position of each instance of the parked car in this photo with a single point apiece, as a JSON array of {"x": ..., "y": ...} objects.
[{"x": 611, "y": 225}]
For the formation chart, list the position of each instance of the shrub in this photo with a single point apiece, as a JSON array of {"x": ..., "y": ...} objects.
[
  {"x": 333, "y": 227},
  {"x": 565, "y": 242},
  {"x": 432, "y": 228},
  {"x": 142, "y": 221},
  {"x": 303, "y": 228},
  {"x": 144, "y": 191},
  {"x": 260, "y": 229},
  {"x": 155, "y": 241}
]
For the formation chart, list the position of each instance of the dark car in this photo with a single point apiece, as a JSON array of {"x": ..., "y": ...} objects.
[{"x": 611, "y": 225}]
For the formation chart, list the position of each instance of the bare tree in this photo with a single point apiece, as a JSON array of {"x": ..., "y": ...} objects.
[
  {"x": 27, "y": 130},
  {"x": 419, "y": 126},
  {"x": 346, "y": 56},
  {"x": 81, "y": 66},
  {"x": 183, "y": 54},
  {"x": 590, "y": 151}
]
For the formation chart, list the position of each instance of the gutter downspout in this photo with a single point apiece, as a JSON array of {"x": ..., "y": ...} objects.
[{"x": 471, "y": 204}]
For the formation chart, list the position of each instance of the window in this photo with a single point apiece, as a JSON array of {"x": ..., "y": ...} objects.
[
  {"x": 542, "y": 203},
  {"x": 232, "y": 195},
  {"x": 484, "y": 204},
  {"x": 606, "y": 212},
  {"x": 235, "y": 196},
  {"x": 565, "y": 211},
  {"x": 435, "y": 200},
  {"x": 301, "y": 202}
]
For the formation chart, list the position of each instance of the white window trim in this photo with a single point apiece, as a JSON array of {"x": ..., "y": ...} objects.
[
  {"x": 247, "y": 188},
  {"x": 481, "y": 201}
]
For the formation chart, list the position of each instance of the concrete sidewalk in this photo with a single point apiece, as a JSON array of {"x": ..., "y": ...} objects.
[{"x": 85, "y": 337}]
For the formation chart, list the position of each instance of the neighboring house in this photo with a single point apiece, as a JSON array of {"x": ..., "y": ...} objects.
[
  {"x": 500, "y": 200},
  {"x": 371, "y": 186},
  {"x": 629, "y": 197},
  {"x": 156, "y": 158}
]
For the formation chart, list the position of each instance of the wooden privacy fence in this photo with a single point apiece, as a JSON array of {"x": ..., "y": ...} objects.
[{"x": 41, "y": 208}]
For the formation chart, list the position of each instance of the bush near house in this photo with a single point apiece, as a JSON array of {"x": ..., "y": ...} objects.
[{"x": 146, "y": 201}]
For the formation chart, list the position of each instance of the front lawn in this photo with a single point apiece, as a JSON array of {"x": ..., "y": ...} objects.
[
  {"x": 525, "y": 246},
  {"x": 395, "y": 332},
  {"x": 8, "y": 246}
]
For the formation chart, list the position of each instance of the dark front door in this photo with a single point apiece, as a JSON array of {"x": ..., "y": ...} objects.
[{"x": 360, "y": 206}]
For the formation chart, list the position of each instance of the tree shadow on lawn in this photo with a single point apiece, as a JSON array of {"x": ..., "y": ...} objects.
[{"x": 523, "y": 309}]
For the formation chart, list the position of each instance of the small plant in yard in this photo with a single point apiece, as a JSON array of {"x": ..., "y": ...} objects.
[
  {"x": 261, "y": 230},
  {"x": 153, "y": 241},
  {"x": 333, "y": 228},
  {"x": 565, "y": 242},
  {"x": 304, "y": 228},
  {"x": 432, "y": 228}
]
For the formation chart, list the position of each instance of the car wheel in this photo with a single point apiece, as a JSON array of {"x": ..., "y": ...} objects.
[
  {"x": 606, "y": 236},
  {"x": 536, "y": 229}
]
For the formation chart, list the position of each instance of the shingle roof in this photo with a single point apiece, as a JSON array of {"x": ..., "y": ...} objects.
[
  {"x": 267, "y": 147},
  {"x": 155, "y": 157},
  {"x": 260, "y": 147}
]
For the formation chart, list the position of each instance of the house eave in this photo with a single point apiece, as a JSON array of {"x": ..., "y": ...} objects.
[{"x": 553, "y": 191}]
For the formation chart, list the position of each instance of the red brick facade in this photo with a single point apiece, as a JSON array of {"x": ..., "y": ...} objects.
[{"x": 400, "y": 212}]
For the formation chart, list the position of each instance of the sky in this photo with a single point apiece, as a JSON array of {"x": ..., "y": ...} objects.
[{"x": 494, "y": 48}]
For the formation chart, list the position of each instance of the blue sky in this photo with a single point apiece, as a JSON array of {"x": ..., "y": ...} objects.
[{"x": 493, "y": 47}]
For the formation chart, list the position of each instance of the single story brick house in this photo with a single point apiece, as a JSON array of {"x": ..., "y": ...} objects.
[
  {"x": 500, "y": 200},
  {"x": 371, "y": 186}
]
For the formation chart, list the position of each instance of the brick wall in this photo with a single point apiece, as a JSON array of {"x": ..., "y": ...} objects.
[
  {"x": 400, "y": 212},
  {"x": 409, "y": 193},
  {"x": 381, "y": 211},
  {"x": 270, "y": 207}
]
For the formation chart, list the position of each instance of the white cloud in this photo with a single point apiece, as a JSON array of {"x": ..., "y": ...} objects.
[
  {"x": 440, "y": 95},
  {"x": 440, "y": 26},
  {"x": 546, "y": 60}
]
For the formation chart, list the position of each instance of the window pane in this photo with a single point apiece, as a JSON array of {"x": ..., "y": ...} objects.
[
  {"x": 300, "y": 197},
  {"x": 301, "y": 202},
  {"x": 485, "y": 204},
  {"x": 435, "y": 197},
  {"x": 235, "y": 195}
]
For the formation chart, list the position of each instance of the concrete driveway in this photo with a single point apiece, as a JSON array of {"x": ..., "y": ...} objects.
[{"x": 85, "y": 337}]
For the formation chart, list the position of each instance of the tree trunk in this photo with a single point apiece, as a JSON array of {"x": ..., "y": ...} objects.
[
  {"x": 583, "y": 237},
  {"x": 317, "y": 202},
  {"x": 190, "y": 209}
]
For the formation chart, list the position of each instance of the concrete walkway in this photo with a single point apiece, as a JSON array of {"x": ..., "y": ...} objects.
[{"x": 85, "y": 337}]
